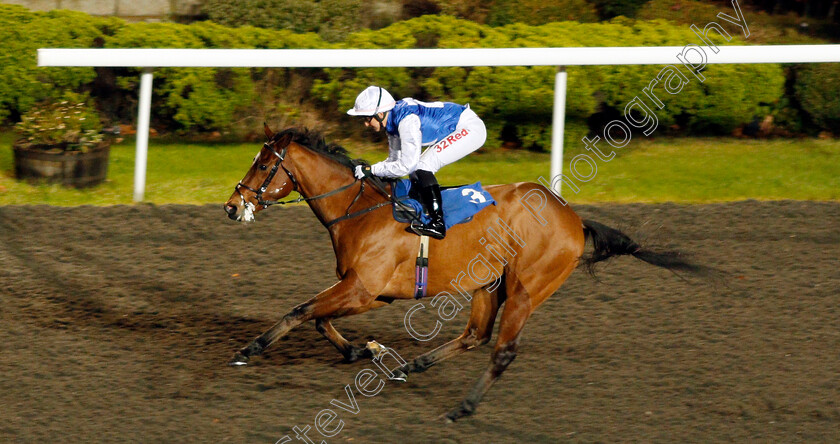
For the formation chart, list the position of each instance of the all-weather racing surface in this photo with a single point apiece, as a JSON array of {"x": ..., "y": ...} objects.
[{"x": 118, "y": 322}]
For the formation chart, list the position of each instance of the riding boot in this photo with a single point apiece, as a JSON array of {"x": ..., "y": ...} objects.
[{"x": 436, "y": 228}]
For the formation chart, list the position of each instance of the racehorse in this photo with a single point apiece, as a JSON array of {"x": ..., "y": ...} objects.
[{"x": 538, "y": 242}]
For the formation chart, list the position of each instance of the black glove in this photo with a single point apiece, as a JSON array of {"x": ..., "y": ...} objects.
[{"x": 362, "y": 171}]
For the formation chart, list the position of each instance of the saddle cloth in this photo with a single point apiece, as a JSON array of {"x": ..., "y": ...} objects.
[{"x": 459, "y": 203}]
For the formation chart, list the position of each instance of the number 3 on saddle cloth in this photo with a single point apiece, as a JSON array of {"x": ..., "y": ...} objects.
[{"x": 459, "y": 206}]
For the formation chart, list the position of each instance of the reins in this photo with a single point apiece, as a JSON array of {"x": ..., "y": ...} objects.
[{"x": 349, "y": 215}]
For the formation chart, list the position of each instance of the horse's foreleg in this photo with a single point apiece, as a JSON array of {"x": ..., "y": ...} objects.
[
  {"x": 346, "y": 295},
  {"x": 485, "y": 306},
  {"x": 351, "y": 352}
]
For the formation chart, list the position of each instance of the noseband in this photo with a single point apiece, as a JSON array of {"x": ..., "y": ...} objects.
[{"x": 295, "y": 187}]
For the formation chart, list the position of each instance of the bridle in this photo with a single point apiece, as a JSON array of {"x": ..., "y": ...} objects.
[
  {"x": 279, "y": 163},
  {"x": 281, "y": 156}
]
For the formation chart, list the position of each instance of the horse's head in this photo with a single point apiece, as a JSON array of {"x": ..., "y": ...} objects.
[{"x": 268, "y": 179}]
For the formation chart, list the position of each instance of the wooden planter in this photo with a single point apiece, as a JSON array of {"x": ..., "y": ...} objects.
[{"x": 70, "y": 168}]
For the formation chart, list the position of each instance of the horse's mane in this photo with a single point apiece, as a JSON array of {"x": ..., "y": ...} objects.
[{"x": 314, "y": 140}]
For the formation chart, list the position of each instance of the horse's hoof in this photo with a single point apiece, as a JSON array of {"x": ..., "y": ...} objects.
[
  {"x": 374, "y": 348},
  {"x": 451, "y": 417},
  {"x": 238, "y": 360},
  {"x": 357, "y": 353},
  {"x": 398, "y": 375},
  {"x": 445, "y": 418},
  {"x": 463, "y": 410}
]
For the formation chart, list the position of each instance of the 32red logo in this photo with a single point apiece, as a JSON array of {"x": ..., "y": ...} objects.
[{"x": 445, "y": 143}]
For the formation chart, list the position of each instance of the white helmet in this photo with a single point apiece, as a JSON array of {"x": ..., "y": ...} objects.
[{"x": 373, "y": 100}]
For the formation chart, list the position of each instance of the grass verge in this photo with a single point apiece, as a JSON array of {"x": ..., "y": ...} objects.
[{"x": 686, "y": 170}]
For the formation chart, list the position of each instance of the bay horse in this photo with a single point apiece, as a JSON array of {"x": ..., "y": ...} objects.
[{"x": 375, "y": 256}]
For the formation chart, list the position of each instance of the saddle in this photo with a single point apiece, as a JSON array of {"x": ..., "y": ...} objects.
[{"x": 460, "y": 203}]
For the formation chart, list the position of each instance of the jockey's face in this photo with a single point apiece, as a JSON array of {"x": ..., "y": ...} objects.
[{"x": 374, "y": 124}]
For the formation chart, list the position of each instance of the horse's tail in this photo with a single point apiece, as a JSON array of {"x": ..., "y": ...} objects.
[{"x": 609, "y": 242}]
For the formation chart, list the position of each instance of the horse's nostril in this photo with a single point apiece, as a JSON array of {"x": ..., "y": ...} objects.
[{"x": 230, "y": 209}]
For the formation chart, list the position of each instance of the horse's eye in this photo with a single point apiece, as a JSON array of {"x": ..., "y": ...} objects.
[{"x": 263, "y": 167}]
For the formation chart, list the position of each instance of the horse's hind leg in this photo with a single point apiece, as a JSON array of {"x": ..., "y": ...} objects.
[
  {"x": 351, "y": 352},
  {"x": 518, "y": 309},
  {"x": 345, "y": 296},
  {"x": 485, "y": 306}
]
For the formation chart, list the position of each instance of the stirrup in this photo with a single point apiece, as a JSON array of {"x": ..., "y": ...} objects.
[{"x": 426, "y": 230}]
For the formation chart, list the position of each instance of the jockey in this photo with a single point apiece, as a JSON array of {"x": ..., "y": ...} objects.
[{"x": 448, "y": 130}]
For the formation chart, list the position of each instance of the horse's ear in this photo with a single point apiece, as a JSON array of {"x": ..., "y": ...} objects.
[
  {"x": 268, "y": 133},
  {"x": 285, "y": 140}
]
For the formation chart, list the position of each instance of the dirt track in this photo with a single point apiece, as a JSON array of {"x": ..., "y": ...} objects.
[{"x": 117, "y": 323}]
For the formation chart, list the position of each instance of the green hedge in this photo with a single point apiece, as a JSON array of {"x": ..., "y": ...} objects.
[
  {"x": 22, "y": 32},
  {"x": 530, "y": 12},
  {"x": 331, "y": 19},
  {"x": 612, "y": 8},
  {"x": 512, "y": 100},
  {"x": 185, "y": 99},
  {"x": 523, "y": 96},
  {"x": 204, "y": 99},
  {"x": 818, "y": 90}
]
